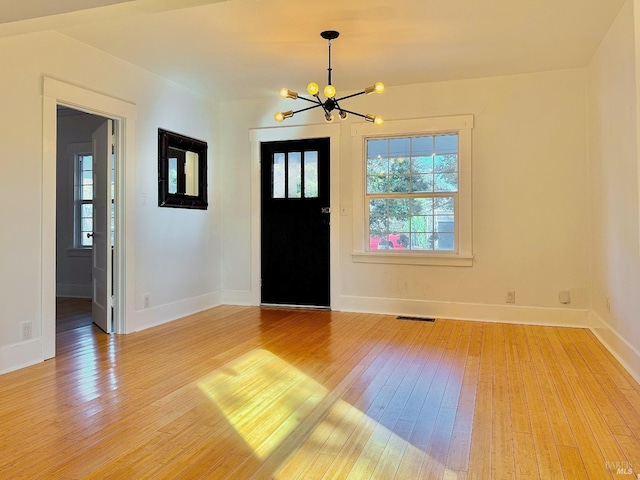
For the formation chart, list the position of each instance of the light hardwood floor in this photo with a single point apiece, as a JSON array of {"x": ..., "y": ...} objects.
[{"x": 244, "y": 392}]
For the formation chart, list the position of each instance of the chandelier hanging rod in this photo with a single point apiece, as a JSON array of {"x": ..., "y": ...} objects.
[{"x": 331, "y": 103}]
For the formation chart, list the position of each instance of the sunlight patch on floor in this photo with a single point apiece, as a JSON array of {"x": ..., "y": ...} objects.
[{"x": 268, "y": 402}]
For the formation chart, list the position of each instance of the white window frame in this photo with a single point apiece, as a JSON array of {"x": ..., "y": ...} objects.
[
  {"x": 78, "y": 202},
  {"x": 360, "y": 133},
  {"x": 74, "y": 150}
]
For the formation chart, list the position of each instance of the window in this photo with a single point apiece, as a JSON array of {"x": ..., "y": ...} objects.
[
  {"x": 294, "y": 175},
  {"x": 83, "y": 201},
  {"x": 411, "y": 192},
  {"x": 415, "y": 192},
  {"x": 83, "y": 188}
]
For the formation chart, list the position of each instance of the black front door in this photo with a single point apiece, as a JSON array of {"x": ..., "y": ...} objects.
[{"x": 295, "y": 222}]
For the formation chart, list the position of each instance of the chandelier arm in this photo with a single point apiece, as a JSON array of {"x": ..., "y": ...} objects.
[
  {"x": 352, "y": 113},
  {"x": 308, "y": 108},
  {"x": 350, "y": 96},
  {"x": 316, "y": 101}
]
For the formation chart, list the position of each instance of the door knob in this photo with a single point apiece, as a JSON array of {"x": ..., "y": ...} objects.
[
  {"x": 325, "y": 210},
  {"x": 90, "y": 234}
]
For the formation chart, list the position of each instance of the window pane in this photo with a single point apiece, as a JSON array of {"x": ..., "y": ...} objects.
[
  {"x": 445, "y": 224},
  {"x": 422, "y": 145},
  {"x": 399, "y": 147},
  {"x": 444, "y": 241},
  {"x": 399, "y": 224},
  {"x": 86, "y": 193},
  {"x": 377, "y": 207},
  {"x": 399, "y": 183},
  {"x": 446, "y": 182},
  {"x": 399, "y": 206},
  {"x": 422, "y": 164},
  {"x": 86, "y": 242},
  {"x": 443, "y": 205},
  {"x": 446, "y": 144},
  {"x": 86, "y": 210},
  {"x": 278, "y": 176},
  {"x": 422, "y": 183},
  {"x": 445, "y": 163},
  {"x": 421, "y": 241},
  {"x": 422, "y": 223},
  {"x": 378, "y": 225},
  {"x": 377, "y": 184},
  {"x": 377, "y": 166},
  {"x": 422, "y": 206},
  {"x": 399, "y": 165},
  {"x": 86, "y": 162},
  {"x": 311, "y": 174},
  {"x": 377, "y": 148},
  {"x": 295, "y": 175}
]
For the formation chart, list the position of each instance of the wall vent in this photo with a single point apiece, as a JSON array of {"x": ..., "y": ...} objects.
[{"x": 417, "y": 319}]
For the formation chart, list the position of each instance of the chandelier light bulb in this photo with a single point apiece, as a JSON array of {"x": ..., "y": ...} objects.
[
  {"x": 343, "y": 114},
  {"x": 280, "y": 116},
  {"x": 375, "y": 88},
  {"x": 286, "y": 93},
  {"x": 377, "y": 120},
  {"x": 330, "y": 91},
  {"x": 313, "y": 88},
  {"x": 328, "y": 117}
]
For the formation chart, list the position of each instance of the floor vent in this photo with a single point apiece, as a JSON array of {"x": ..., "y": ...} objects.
[{"x": 417, "y": 319}]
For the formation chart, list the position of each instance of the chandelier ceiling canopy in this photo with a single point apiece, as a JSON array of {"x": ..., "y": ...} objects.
[{"x": 331, "y": 103}]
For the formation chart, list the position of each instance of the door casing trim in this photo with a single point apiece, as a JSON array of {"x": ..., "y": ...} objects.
[
  {"x": 56, "y": 92},
  {"x": 260, "y": 135}
]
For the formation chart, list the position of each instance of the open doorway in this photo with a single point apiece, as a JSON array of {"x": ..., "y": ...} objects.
[{"x": 85, "y": 220}]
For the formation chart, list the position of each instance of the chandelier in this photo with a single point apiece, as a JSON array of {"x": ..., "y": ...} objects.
[{"x": 331, "y": 103}]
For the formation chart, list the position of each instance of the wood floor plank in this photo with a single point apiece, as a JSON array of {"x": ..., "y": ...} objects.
[{"x": 257, "y": 393}]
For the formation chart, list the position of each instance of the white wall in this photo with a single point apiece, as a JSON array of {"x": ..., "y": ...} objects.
[
  {"x": 176, "y": 254},
  {"x": 614, "y": 214},
  {"x": 73, "y": 267},
  {"x": 529, "y": 200}
]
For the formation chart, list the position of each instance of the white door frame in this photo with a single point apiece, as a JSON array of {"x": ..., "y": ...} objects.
[
  {"x": 56, "y": 92},
  {"x": 259, "y": 135}
]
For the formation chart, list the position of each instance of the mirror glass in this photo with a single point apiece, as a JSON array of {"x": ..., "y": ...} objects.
[{"x": 182, "y": 171}]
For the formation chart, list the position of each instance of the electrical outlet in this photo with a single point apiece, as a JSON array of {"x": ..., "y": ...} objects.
[
  {"x": 146, "y": 300},
  {"x": 565, "y": 297},
  {"x": 511, "y": 296},
  {"x": 26, "y": 330}
]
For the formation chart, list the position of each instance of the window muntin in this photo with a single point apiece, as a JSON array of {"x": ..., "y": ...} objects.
[{"x": 411, "y": 192}]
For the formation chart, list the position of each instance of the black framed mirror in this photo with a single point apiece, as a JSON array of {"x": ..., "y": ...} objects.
[{"x": 182, "y": 171}]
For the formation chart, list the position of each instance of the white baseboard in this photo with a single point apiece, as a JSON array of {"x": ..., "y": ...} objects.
[
  {"x": 236, "y": 297},
  {"x": 72, "y": 290},
  {"x": 20, "y": 355},
  {"x": 618, "y": 346},
  {"x": 151, "y": 317},
  {"x": 560, "y": 317}
]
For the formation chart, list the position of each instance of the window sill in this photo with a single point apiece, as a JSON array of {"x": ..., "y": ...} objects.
[{"x": 413, "y": 259}]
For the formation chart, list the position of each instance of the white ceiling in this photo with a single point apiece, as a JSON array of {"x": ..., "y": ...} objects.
[{"x": 236, "y": 49}]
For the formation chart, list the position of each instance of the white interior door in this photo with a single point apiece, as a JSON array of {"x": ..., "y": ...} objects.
[{"x": 102, "y": 248}]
